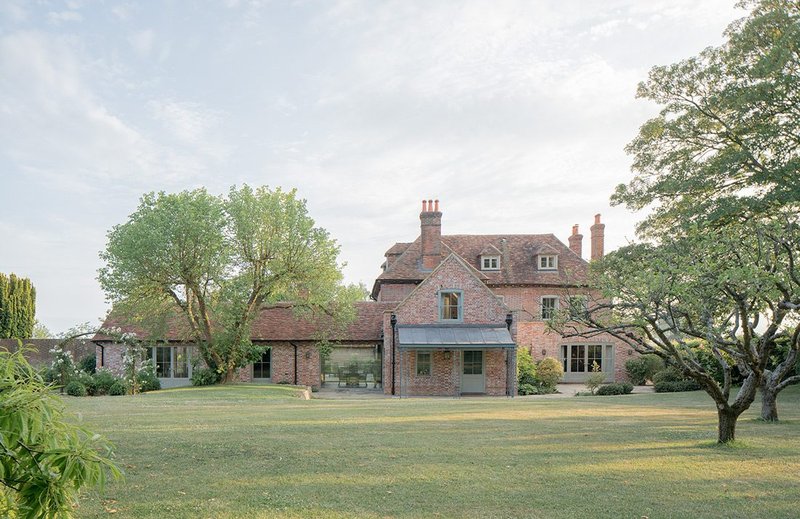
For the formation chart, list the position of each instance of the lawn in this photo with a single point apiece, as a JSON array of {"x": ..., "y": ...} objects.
[{"x": 255, "y": 451}]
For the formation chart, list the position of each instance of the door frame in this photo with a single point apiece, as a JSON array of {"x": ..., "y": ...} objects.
[{"x": 482, "y": 374}]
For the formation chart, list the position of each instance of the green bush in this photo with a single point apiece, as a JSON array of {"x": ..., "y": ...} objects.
[
  {"x": 88, "y": 382},
  {"x": 204, "y": 377},
  {"x": 147, "y": 379},
  {"x": 668, "y": 374},
  {"x": 673, "y": 386},
  {"x": 75, "y": 388},
  {"x": 118, "y": 389},
  {"x": 103, "y": 380},
  {"x": 532, "y": 389},
  {"x": 549, "y": 372},
  {"x": 642, "y": 369},
  {"x": 526, "y": 369},
  {"x": 615, "y": 388},
  {"x": 88, "y": 364}
]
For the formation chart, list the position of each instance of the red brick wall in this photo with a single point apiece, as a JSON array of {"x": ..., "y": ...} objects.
[
  {"x": 479, "y": 306},
  {"x": 395, "y": 291}
]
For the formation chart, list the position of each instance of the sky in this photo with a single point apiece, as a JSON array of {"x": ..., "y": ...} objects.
[{"x": 514, "y": 114}]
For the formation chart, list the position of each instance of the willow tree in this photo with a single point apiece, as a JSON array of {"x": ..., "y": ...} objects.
[
  {"x": 217, "y": 261},
  {"x": 17, "y": 307}
]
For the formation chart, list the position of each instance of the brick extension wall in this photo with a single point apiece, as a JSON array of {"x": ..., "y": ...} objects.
[{"x": 479, "y": 306}]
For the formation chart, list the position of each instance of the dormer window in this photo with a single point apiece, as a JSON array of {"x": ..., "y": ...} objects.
[
  {"x": 450, "y": 307},
  {"x": 548, "y": 262},
  {"x": 490, "y": 262}
]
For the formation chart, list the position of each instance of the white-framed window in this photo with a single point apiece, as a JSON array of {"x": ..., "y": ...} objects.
[
  {"x": 548, "y": 262},
  {"x": 490, "y": 262},
  {"x": 450, "y": 305},
  {"x": 581, "y": 358},
  {"x": 549, "y": 306},
  {"x": 424, "y": 363},
  {"x": 170, "y": 361}
]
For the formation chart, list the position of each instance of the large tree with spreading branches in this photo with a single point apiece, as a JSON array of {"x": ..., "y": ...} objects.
[{"x": 217, "y": 261}]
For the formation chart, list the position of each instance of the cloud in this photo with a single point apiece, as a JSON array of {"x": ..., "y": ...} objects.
[
  {"x": 60, "y": 17},
  {"x": 142, "y": 41}
]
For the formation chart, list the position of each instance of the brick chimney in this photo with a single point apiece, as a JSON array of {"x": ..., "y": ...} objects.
[
  {"x": 576, "y": 241},
  {"x": 431, "y": 234},
  {"x": 598, "y": 237}
]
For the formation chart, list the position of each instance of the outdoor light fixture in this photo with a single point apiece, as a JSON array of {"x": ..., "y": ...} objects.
[{"x": 544, "y": 351}]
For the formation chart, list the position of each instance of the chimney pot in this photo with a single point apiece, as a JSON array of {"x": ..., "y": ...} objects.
[
  {"x": 576, "y": 241},
  {"x": 424, "y": 206},
  {"x": 598, "y": 238},
  {"x": 436, "y": 206}
]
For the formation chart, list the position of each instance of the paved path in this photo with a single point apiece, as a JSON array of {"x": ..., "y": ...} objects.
[{"x": 335, "y": 393}]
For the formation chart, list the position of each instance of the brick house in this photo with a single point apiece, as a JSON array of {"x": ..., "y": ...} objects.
[{"x": 447, "y": 315}]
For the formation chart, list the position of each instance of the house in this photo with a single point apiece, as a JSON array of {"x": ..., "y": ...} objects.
[{"x": 447, "y": 315}]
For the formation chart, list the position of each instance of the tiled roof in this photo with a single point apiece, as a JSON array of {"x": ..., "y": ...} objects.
[
  {"x": 279, "y": 323},
  {"x": 517, "y": 264}
]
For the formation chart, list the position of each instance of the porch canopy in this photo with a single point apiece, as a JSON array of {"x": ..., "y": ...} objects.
[{"x": 453, "y": 337}]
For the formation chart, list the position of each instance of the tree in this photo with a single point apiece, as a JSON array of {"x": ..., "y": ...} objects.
[
  {"x": 726, "y": 144},
  {"x": 46, "y": 460},
  {"x": 217, "y": 262},
  {"x": 725, "y": 148},
  {"x": 40, "y": 331},
  {"x": 736, "y": 287},
  {"x": 17, "y": 307}
]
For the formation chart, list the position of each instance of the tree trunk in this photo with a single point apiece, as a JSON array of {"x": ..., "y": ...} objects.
[
  {"x": 230, "y": 376},
  {"x": 769, "y": 404},
  {"x": 727, "y": 425}
]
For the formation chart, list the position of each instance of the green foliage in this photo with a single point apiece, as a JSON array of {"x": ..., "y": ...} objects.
[
  {"x": 103, "y": 380},
  {"x": 615, "y": 388},
  {"x": 725, "y": 143},
  {"x": 87, "y": 381},
  {"x": 642, "y": 369},
  {"x": 148, "y": 381},
  {"x": 46, "y": 460},
  {"x": 549, "y": 372},
  {"x": 595, "y": 378},
  {"x": 17, "y": 307},
  {"x": 526, "y": 369},
  {"x": 220, "y": 260},
  {"x": 674, "y": 386},
  {"x": 118, "y": 388},
  {"x": 204, "y": 376},
  {"x": 88, "y": 364},
  {"x": 75, "y": 388}
]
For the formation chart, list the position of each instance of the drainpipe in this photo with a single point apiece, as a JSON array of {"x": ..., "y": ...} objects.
[
  {"x": 393, "y": 322},
  {"x": 509, "y": 357},
  {"x": 295, "y": 362}
]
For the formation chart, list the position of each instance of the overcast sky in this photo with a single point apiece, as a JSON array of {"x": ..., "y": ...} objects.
[{"x": 513, "y": 114}]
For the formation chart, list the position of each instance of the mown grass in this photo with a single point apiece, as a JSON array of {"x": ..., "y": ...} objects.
[{"x": 254, "y": 451}]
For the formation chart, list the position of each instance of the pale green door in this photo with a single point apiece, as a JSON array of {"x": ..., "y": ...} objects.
[{"x": 473, "y": 379}]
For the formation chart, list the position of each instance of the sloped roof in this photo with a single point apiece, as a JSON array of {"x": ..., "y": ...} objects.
[
  {"x": 279, "y": 323},
  {"x": 517, "y": 264}
]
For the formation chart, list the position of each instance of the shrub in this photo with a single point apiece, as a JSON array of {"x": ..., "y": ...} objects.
[
  {"x": 673, "y": 386},
  {"x": 526, "y": 369},
  {"x": 147, "y": 379},
  {"x": 533, "y": 389},
  {"x": 88, "y": 382},
  {"x": 75, "y": 388},
  {"x": 669, "y": 374},
  {"x": 615, "y": 388},
  {"x": 549, "y": 371},
  {"x": 118, "y": 389},
  {"x": 103, "y": 380},
  {"x": 596, "y": 378},
  {"x": 204, "y": 377},
  {"x": 642, "y": 369},
  {"x": 88, "y": 363}
]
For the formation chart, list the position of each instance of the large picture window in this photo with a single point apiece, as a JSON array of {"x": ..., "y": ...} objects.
[
  {"x": 450, "y": 306},
  {"x": 580, "y": 358},
  {"x": 170, "y": 361}
]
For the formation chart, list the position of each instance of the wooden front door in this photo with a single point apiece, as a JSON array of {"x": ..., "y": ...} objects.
[{"x": 473, "y": 379}]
